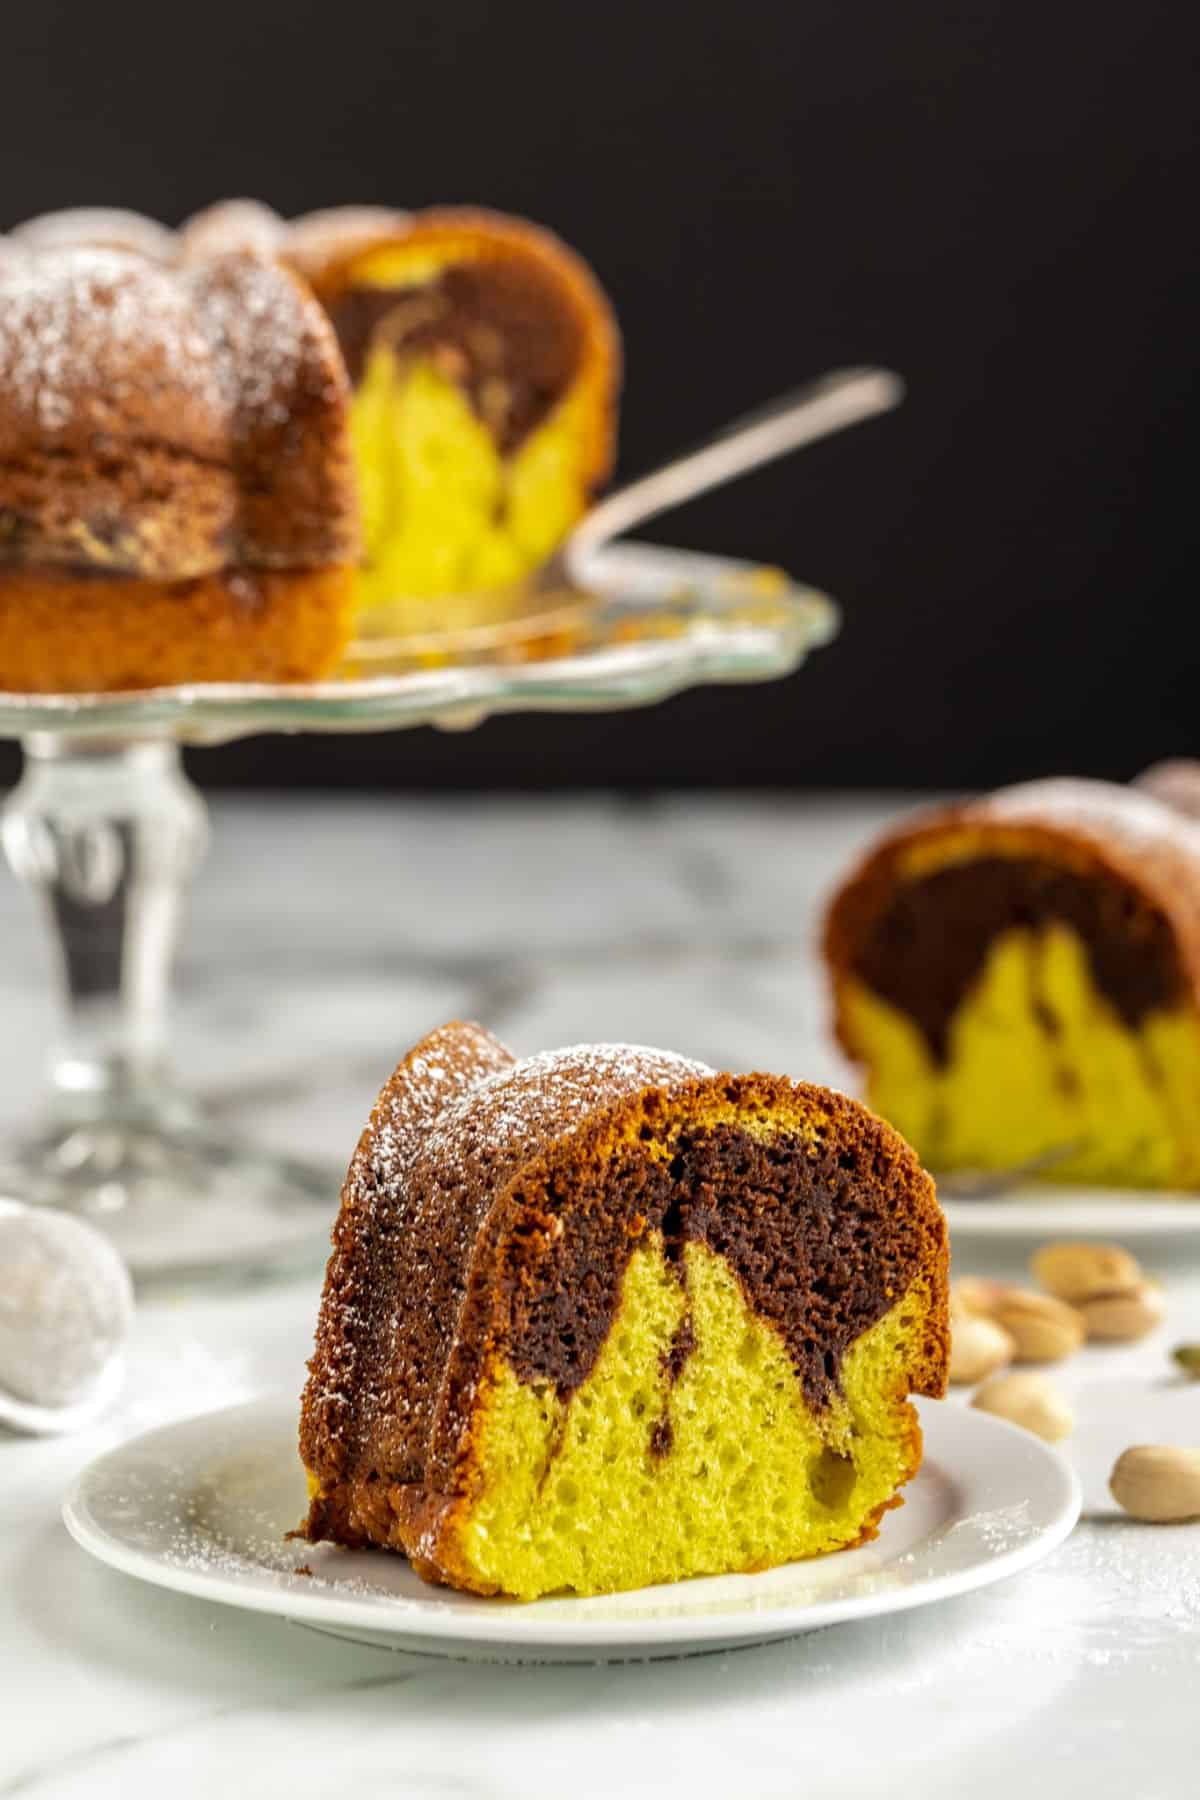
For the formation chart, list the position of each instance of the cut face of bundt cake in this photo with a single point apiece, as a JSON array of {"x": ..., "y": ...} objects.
[
  {"x": 604, "y": 1318},
  {"x": 177, "y": 496},
  {"x": 1018, "y": 978},
  {"x": 484, "y": 359}
]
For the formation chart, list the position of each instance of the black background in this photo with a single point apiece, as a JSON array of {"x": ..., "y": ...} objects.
[{"x": 999, "y": 200}]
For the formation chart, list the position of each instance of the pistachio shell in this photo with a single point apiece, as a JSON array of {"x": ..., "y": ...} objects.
[
  {"x": 1030, "y": 1401},
  {"x": 978, "y": 1347},
  {"x": 1043, "y": 1329},
  {"x": 1077, "y": 1272},
  {"x": 1157, "y": 1482},
  {"x": 1123, "y": 1318}
]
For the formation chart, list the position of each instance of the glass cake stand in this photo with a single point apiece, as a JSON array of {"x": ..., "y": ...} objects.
[{"x": 108, "y": 830}]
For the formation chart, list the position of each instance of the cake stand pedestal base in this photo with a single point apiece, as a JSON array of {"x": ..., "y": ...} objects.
[
  {"x": 109, "y": 834},
  {"x": 106, "y": 830},
  {"x": 180, "y": 1205}
]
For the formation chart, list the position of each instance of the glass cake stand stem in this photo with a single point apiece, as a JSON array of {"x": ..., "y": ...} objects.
[{"x": 109, "y": 834}]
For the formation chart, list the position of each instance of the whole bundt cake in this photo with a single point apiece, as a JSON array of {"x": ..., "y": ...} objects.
[
  {"x": 484, "y": 364},
  {"x": 604, "y": 1318},
  {"x": 1019, "y": 978},
  {"x": 177, "y": 498}
]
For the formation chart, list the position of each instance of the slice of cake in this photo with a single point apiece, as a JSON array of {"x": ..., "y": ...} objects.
[
  {"x": 1019, "y": 978},
  {"x": 604, "y": 1318}
]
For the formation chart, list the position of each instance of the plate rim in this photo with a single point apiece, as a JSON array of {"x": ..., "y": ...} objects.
[
  {"x": 522, "y": 1627},
  {"x": 1086, "y": 1207}
]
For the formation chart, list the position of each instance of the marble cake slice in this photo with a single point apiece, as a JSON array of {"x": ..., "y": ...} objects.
[{"x": 604, "y": 1318}]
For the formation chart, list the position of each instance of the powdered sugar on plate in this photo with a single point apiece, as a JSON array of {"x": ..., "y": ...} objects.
[{"x": 203, "y": 1507}]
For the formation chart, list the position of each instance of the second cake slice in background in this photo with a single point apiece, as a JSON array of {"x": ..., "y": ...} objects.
[{"x": 1019, "y": 978}]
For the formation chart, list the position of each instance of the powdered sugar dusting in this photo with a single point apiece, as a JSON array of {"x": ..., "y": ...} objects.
[
  {"x": 1002, "y": 1528},
  {"x": 411, "y": 1105},
  {"x": 267, "y": 337},
  {"x": 451, "y": 1128},
  {"x": 375, "y": 1209},
  {"x": 314, "y": 238},
  {"x": 551, "y": 1092},
  {"x": 112, "y": 227},
  {"x": 170, "y": 421},
  {"x": 230, "y": 225},
  {"x": 84, "y": 332},
  {"x": 1098, "y": 808},
  {"x": 306, "y": 242}
]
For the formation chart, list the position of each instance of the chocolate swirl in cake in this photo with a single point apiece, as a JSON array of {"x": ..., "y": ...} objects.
[
  {"x": 498, "y": 329},
  {"x": 510, "y": 1196},
  {"x": 927, "y": 949},
  {"x": 916, "y": 921}
]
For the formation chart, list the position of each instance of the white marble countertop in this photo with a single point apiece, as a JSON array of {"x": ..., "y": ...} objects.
[{"x": 325, "y": 936}]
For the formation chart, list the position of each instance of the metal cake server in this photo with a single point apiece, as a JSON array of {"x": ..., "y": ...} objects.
[
  {"x": 802, "y": 416},
  {"x": 562, "y": 583}
]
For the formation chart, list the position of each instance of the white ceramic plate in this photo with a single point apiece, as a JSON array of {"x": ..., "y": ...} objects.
[
  {"x": 1039, "y": 1210},
  {"x": 202, "y": 1507}
]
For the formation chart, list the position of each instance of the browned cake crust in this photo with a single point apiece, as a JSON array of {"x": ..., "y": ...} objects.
[
  {"x": 168, "y": 424},
  {"x": 492, "y": 1206},
  {"x": 356, "y": 1394},
  {"x": 1117, "y": 864},
  {"x": 167, "y": 428},
  {"x": 68, "y": 634},
  {"x": 101, "y": 227}
]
